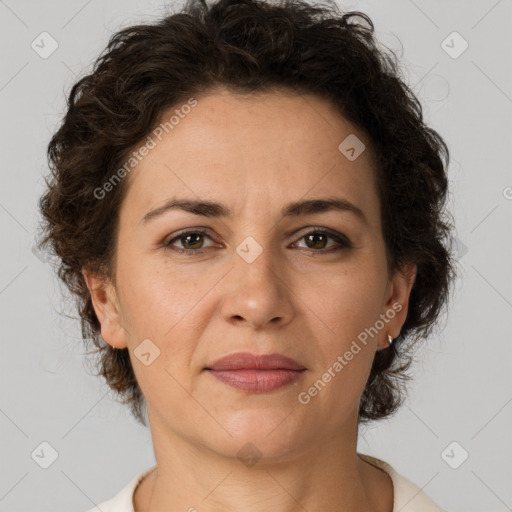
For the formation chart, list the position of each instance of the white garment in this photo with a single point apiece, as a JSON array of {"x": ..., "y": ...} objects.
[{"x": 408, "y": 497}]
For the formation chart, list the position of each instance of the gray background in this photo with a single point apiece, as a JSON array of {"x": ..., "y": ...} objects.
[{"x": 463, "y": 380}]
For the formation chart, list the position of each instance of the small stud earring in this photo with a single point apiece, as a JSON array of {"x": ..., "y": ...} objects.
[{"x": 390, "y": 340}]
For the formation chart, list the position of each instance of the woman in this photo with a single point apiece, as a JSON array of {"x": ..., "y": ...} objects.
[{"x": 251, "y": 212}]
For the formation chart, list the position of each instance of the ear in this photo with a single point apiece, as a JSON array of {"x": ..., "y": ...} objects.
[
  {"x": 106, "y": 306},
  {"x": 397, "y": 301}
]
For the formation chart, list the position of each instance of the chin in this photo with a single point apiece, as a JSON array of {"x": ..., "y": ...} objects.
[{"x": 263, "y": 435}]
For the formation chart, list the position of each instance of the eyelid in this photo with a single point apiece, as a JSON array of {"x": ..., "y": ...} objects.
[{"x": 186, "y": 231}]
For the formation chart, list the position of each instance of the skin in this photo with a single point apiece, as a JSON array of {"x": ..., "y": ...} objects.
[{"x": 254, "y": 154}]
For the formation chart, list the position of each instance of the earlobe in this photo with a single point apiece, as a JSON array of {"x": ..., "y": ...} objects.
[
  {"x": 397, "y": 304},
  {"x": 106, "y": 307}
]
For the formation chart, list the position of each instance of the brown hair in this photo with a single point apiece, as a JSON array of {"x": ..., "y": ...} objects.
[{"x": 249, "y": 46}]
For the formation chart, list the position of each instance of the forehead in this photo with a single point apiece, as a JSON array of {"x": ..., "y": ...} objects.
[{"x": 229, "y": 147}]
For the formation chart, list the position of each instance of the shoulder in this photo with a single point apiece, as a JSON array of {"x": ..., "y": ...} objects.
[
  {"x": 123, "y": 500},
  {"x": 408, "y": 497}
]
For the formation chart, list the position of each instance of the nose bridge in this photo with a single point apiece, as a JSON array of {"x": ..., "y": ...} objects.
[
  {"x": 257, "y": 290},
  {"x": 258, "y": 261},
  {"x": 259, "y": 250}
]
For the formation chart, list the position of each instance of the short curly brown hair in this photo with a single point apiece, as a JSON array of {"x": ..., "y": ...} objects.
[{"x": 250, "y": 46}]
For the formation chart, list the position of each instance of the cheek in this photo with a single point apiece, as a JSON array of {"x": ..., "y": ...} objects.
[
  {"x": 171, "y": 309},
  {"x": 339, "y": 316},
  {"x": 161, "y": 308},
  {"x": 347, "y": 300},
  {"x": 156, "y": 301},
  {"x": 344, "y": 306}
]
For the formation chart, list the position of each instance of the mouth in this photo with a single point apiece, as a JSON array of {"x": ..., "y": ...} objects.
[
  {"x": 256, "y": 373},
  {"x": 257, "y": 381}
]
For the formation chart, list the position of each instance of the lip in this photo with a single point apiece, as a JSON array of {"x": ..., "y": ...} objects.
[
  {"x": 256, "y": 373},
  {"x": 248, "y": 361}
]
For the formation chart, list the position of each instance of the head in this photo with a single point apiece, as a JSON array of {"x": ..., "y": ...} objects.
[{"x": 255, "y": 107}]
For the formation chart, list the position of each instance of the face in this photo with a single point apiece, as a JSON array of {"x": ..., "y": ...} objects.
[{"x": 258, "y": 273}]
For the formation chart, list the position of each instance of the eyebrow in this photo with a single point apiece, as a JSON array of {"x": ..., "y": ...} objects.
[{"x": 295, "y": 209}]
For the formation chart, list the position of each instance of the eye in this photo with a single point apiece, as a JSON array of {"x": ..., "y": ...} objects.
[
  {"x": 317, "y": 240},
  {"x": 191, "y": 241}
]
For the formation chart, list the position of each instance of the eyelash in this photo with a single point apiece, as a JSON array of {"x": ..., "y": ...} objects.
[{"x": 344, "y": 242}]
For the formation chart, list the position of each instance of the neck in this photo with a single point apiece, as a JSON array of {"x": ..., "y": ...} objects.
[{"x": 327, "y": 476}]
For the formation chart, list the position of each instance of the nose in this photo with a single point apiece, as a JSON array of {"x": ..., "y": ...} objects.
[{"x": 257, "y": 293}]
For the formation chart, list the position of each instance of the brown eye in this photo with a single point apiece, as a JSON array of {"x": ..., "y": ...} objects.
[
  {"x": 192, "y": 242},
  {"x": 317, "y": 241}
]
